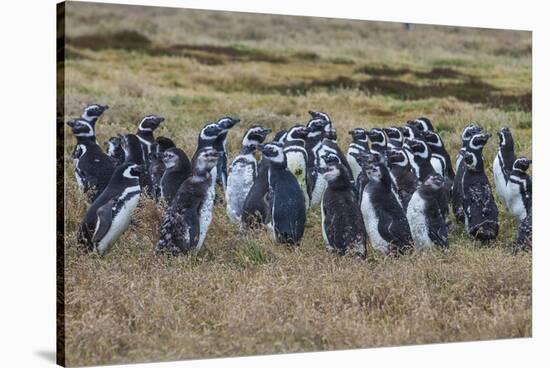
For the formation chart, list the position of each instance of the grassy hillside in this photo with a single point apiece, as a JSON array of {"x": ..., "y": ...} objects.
[{"x": 245, "y": 294}]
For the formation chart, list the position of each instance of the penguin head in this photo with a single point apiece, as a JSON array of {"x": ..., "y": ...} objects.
[
  {"x": 522, "y": 164},
  {"x": 112, "y": 145},
  {"x": 332, "y": 169},
  {"x": 377, "y": 136},
  {"x": 131, "y": 171},
  {"x": 280, "y": 136},
  {"x": 397, "y": 157},
  {"x": 419, "y": 148},
  {"x": 320, "y": 115},
  {"x": 150, "y": 122},
  {"x": 394, "y": 133},
  {"x": 410, "y": 130},
  {"x": 505, "y": 137},
  {"x": 273, "y": 152},
  {"x": 207, "y": 158},
  {"x": 374, "y": 172},
  {"x": 164, "y": 143},
  {"x": 317, "y": 127},
  {"x": 210, "y": 132},
  {"x": 226, "y": 122},
  {"x": 359, "y": 135},
  {"x": 432, "y": 138},
  {"x": 478, "y": 141},
  {"x": 255, "y": 136},
  {"x": 172, "y": 157},
  {"x": 81, "y": 128},
  {"x": 331, "y": 135},
  {"x": 93, "y": 111},
  {"x": 435, "y": 181},
  {"x": 469, "y": 131},
  {"x": 423, "y": 124},
  {"x": 297, "y": 132},
  {"x": 365, "y": 159}
]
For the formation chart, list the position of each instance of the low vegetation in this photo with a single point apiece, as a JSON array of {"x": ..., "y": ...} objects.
[{"x": 244, "y": 294}]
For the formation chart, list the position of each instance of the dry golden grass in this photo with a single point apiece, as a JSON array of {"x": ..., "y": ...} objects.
[{"x": 247, "y": 295}]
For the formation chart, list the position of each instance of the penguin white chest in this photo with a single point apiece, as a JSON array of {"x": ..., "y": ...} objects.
[
  {"x": 206, "y": 213},
  {"x": 296, "y": 163},
  {"x": 121, "y": 220},
  {"x": 514, "y": 200},
  {"x": 416, "y": 216},
  {"x": 500, "y": 178},
  {"x": 239, "y": 182},
  {"x": 354, "y": 166},
  {"x": 371, "y": 223},
  {"x": 438, "y": 163}
]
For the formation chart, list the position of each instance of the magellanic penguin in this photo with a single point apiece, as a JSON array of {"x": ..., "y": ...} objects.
[
  {"x": 385, "y": 220},
  {"x": 402, "y": 175},
  {"x": 427, "y": 222},
  {"x": 156, "y": 163},
  {"x": 441, "y": 161},
  {"x": 364, "y": 159},
  {"x": 322, "y": 116},
  {"x": 286, "y": 199},
  {"x": 225, "y": 123},
  {"x": 109, "y": 215},
  {"x": 518, "y": 193},
  {"x": 480, "y": 209},
  {"x": 114, "y": 150},
  {"x": 184, "y": 224},
  {"x": 243, "y": 172},
  {"x": 296, "y": 156},
  {"x": 341, "y": 219},
  {"x": 145, "y": 134},
  {"x": 504, "y": 160},
  {"x": 471, "y": 142},
  {"x": 93, "y": 112},
  {"x": 133, "y": 153},
  {"x": 93, "y": 168},
  {"x": 395, "y": 137},
  {"x": 318, "y": 129},
  {"x": 359, "y": 144},
  {"x": 378, "y": 140},
  {"x": 178, "y": 168}
]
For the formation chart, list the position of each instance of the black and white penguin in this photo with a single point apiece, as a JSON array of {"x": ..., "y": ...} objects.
[
  {"x": 243, "y": 171},
  {"x": 280, "y": 136},
  {"x": 378, "y": 140},
  {"x": 133, "y": 152},
  {"x": 524, "y": 239},
  {"x": 402, "y": 175},
  {"x": 504, "y": 161},
  {"x": 470, "y": 143},
  {"x": 330, "y": 147},
  {"x": 410, "y": 131},
  {"x": 317, "y": 132},
  {"x": 322, "y": 116},
  {"x": 178, "y": 168},
  {"x": 286, "y": 199},
  {"x": 156, "y": 163},
  {"x": 296, "y": 156},
  {"x": 220, "y": 144},
  {"x": 359, "y": 144},
  {"x": 341, "y": 219},
  {"x": 185, "y": 223},
  {"x": 427, "y": 222},
  {"x": 145, "y": 134},
  {"x": 518, "y": 193},
  {"x": 364, "y": 159},
  {"x": 422, "y": 155},
  {"x": 114, "y": 150},
  {"x": 395, "y": 137},
  {"x": 93, "y": 168},
  {"x": 110, "y": 214},
  {"x": 480, "y": 209},
  {"x": 385, "y": 220},
  {"x": 441, "y": 160}
]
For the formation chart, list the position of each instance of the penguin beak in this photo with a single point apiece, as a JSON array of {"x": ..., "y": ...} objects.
[
  {"x": 266, "y": 131},
  {"x": 71, "y": 123},
  {"x": 105, "y": 107}
]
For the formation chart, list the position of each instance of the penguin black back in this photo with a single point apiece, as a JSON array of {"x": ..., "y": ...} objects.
[{"x": 178, "y": 169}]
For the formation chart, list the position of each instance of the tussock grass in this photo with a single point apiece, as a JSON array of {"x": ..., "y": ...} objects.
[{"x": 244, "y": 294}]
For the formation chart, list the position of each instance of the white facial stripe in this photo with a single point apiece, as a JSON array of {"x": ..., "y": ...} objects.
[
  {"x": 127, "y": 173},
  {"x": 90, "y": 133}
]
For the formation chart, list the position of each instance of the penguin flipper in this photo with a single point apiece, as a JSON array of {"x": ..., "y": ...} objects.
[{"x": 104, "y": 220}]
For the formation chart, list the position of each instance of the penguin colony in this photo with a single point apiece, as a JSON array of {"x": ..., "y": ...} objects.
[{"x": 392, "y": 188}]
